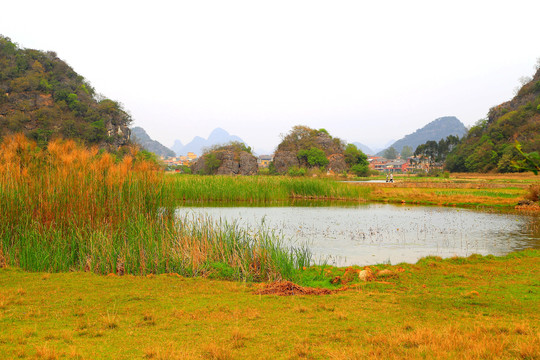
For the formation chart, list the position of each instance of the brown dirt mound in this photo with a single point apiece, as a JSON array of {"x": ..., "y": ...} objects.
[{"x": 287, "y": 288}]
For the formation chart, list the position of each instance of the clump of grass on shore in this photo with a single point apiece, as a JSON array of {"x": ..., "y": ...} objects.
[{"x": 71, "y": 208}]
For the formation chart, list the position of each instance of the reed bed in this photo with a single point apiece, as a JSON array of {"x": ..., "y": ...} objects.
[
  {"x": 260, "y": 189},
  {"x": 70, "y": 208}
]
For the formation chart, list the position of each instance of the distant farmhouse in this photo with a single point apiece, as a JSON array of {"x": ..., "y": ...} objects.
[{"x": 264, "y": 161}]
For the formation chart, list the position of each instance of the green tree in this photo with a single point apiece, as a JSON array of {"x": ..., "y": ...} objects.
[
  {"x": 529, "y": 161},
  {"x": 354, "y": 156},
  {"x": 304, "y": 138},
  {"x": 391, "y": 153},
  {"x": 313, "y": 157},
  {"x": 429, "y": 150},
  {"x": 406, "y": 152},
  {"x": 211, "y": 163}
]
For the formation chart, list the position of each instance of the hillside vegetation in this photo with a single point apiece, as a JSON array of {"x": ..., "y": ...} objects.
[
  {"x": 489, "y": 146},
  {"x": 44, "y": 98}
]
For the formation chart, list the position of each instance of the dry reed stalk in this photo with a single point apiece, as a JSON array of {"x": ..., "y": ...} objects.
[{"x": 3, "y": 261}]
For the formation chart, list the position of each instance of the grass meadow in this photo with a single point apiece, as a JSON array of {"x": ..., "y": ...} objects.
[{"x": 459, "y": 308}]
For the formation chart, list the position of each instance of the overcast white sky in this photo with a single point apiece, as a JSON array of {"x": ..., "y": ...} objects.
[{"x": 365, "y": 71}]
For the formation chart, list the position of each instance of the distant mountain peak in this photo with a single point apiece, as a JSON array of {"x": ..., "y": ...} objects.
[
  {"x": 217, "y": 136},
  {"x": 436, "y": 130},
  {"x": 139, "y": 136},
  {"x": 365, "y": 149},
  {"x": 218, "y": 132}
]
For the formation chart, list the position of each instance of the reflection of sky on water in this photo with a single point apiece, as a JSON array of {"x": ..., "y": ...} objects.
[{"x": 375, "y": 233}]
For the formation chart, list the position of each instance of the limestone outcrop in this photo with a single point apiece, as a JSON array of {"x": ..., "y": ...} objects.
[
  {"x": 283, "y": 160},
  {"x": 337, "y": 163},
  {"x": 226, "y": 160}
]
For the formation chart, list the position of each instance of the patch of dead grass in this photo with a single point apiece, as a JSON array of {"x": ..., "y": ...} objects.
[
  {"x": 46, "y": 352},
  {"x": 215, "y": 351},
  {"x": 164, "y": 352},
  {"x": 238, "y": 338}
]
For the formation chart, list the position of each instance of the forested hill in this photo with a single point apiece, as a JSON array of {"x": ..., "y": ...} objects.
[
  {"x": 490, "y": 144},
  {"x": 43, "y": 97},
  {"x": 434, "y": 131}
]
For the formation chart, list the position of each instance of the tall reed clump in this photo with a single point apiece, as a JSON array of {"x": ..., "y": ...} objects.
[{"x": 70, "y": 208}]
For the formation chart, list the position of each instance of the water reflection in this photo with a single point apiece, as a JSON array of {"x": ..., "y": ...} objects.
[{"x": 376, "y": 233}]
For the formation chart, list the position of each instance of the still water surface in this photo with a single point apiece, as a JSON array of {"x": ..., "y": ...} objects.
[{"x": 377, "y": 233}]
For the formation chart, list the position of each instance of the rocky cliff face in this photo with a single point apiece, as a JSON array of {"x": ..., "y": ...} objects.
[
  {"x": 283, "y": 160},
  {"x": 226, "y": 161},
  {"x": 337, "y": 163},
  {"x": 118, "y": 135}
]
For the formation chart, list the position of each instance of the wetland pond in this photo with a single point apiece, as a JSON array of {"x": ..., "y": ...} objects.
[{"x": 368, "y": 234}]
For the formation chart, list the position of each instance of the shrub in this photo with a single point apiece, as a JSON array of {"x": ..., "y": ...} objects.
[
  {"x": 296, "y": 171},
  {"x": 263, "y": 171},
  {"x": 533, "y": 193},
  {"x": 360, "y": 170},
  {"x": 211, "y": 163}
]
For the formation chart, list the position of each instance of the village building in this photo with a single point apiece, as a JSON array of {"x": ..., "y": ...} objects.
[
  {"x": 397, "y": 166},
  {"x": 377, "y": 163},
  {"x": 264, "y": 161}
]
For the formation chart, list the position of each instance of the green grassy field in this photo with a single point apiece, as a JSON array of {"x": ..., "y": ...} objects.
[{"x": 460, "y": 308}]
